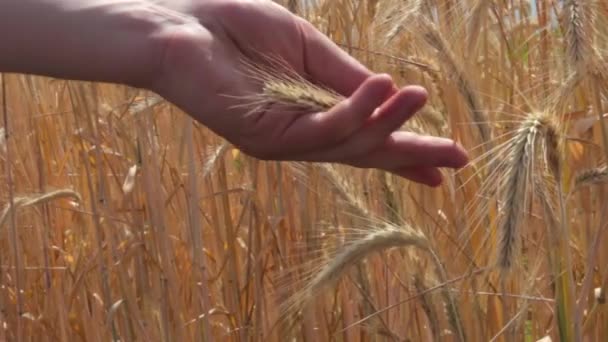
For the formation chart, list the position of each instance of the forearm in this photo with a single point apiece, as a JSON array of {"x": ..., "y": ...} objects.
[{"x": 117, "y": 41}]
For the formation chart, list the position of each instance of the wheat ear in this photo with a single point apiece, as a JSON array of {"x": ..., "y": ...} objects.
[
  {"x": 577, "y": 39},
  {"x": 537, "y": 130},
  {"x": 475, "y": 22},
  {"x": 389, "y": 237},
  {"x": 216, "y": 155},
  {"x": 284, "y": 87},
  {"x": 377, "y": 240},
  {"x": 588, "y": 177},
  {"x": 26, "y": 201}
]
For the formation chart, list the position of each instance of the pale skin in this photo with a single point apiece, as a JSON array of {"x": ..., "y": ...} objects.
[{"x": 189, "y": 52}]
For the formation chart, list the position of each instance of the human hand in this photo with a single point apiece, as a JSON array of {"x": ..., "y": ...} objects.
[
  {"x": 190, "y": 52},
  {"x": 202, "y": 64}
]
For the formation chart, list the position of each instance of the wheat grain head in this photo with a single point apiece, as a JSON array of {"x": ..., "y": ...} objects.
[
  {"x": 26, "y": 201},
  {"x": 284, "y": 88},
  {"x": 368, "y": 241},
  {"x": 592, "y": 176},
  {"x": 578, "y": 38},
  {"x": 538, "y": 130}
]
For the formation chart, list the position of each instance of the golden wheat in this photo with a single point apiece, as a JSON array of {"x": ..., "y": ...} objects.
[
  {"x": 27, "y": 201},
  {"x": 285, "y": 89},
  {"x": 374, "y": 240},
  {"x": 478, "y": 14},
  {"x": 536, "y": 131},
  {"x": 578, "y": 40},
  {"x": 174, "y": 258},
  {"x": 589, "y": 177},
  {"x": 454, "y": 68}
]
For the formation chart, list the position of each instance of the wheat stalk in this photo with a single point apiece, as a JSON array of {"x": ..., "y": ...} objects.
[
  {"x": 427, "y": 305},
  {"x": 406, "y": 11},
  {"x": 434, "y": 38},
  {"x": 345, "y": 190},
  {"x": 475, "y": 22}
]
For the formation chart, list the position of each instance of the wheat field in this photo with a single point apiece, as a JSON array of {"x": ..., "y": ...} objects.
[{"x": 123, "y": 219}]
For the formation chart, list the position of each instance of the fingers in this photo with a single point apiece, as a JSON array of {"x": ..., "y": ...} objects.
[
  {"x": 318, "y": 130},
  {"x": 417, "y": 158},
  {"x": 378, "y": 143},
  {"x": 389, "y": 117},
  {"x": 404, "y": 149},
  {"x": 425, "y": 175}
]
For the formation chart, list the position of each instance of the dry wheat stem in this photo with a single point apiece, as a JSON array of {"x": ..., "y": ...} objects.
[
  {"x": 450, "y": 302},
  {"x": 435, "y": 39},
  {"x": 471, "y": 273},
  {"x": 475, "y": 22},
  {"x": 406, "y": 12},
  {"x": 342, "y": 187},
  {"x": 427, "y": 305},
  {"x": 522, "y": 309},
  {"x": 345, "y": 190}
]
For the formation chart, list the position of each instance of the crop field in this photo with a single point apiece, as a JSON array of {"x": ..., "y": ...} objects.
[{"x": 122, "y": 219}]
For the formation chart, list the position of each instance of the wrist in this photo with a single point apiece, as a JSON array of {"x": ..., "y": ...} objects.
[{"x": 102, "y": 40}]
